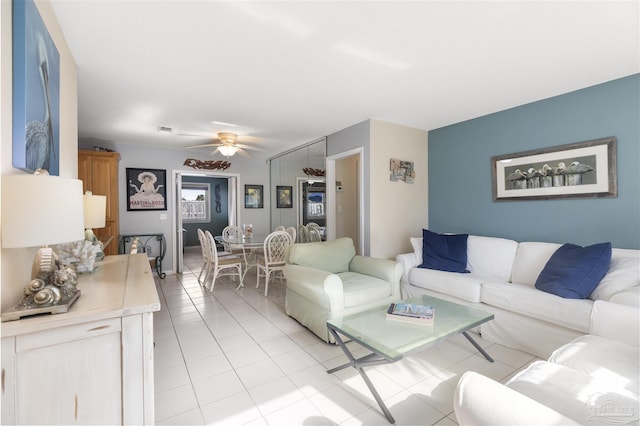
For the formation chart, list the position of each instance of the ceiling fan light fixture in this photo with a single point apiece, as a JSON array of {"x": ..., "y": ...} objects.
[
  {"x": 227, "y": 137},
  {"x": 228, "y": 150}
]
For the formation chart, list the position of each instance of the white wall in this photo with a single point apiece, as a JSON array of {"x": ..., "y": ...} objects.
[
  {"x": 16, "y": 263},
  {"x": 398, "y": 210},
  {"x": 250, "y": 171}
]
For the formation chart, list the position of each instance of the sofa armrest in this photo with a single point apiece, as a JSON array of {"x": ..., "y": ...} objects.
[
  {"x": 324, "y": 288},
  {"x": 385, "y": 269},
  {"x": 408, "y": 261},
  {"x": 479, "y": 400},
  {"x": 616, "y": 322}
]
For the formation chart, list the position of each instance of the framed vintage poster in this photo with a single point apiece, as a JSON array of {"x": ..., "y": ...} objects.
[
  {"x": 146, "y": 189},
  {"x": 284, "y": 196},
  {"x": 253, "y": 197},
  {"x": 36, "y": 92},
  {"x": 584, "y": 169}
]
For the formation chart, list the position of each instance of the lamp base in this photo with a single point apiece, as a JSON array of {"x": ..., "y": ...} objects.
[{"x": 23, "y": 309}]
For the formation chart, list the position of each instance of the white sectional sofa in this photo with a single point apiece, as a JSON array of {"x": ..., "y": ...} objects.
[
  {"x": 502, "y": 280},
  {"x": 592, "y": 380}
]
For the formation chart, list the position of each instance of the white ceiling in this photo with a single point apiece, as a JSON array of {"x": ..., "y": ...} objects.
[{"x": 290, "y": 72}]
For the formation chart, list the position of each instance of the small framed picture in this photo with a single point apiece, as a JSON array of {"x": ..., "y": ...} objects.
[
  {"x": 285, "y": 197},
  {"x": 253, "y": 197},
  {"x": 146, "y": 189}
]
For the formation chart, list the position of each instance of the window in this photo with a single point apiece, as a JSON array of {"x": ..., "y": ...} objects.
[{"x": 196, "y": 202}]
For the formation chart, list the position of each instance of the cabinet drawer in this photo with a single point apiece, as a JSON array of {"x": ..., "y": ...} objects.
[{"x": 67, "y": 334}]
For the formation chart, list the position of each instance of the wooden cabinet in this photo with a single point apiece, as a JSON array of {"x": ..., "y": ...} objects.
[
  {"x": 98, "y": 172},
  {"x": 91, "y": 365}
]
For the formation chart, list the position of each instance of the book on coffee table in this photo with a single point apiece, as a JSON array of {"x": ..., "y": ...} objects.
[{"x": 411, "y": 312}]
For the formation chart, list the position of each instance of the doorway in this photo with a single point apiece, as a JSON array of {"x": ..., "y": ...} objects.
[
  {"x": 345, "y": 199},
  {"x": 206, "y": 200}
]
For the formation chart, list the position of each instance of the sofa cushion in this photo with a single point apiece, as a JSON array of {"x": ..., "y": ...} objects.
[
  {"x": 331, "y": 256},
  {"x": 530, "y": 260},
  {"x": 573, "y": 271},
  {"x": 361, "y": 289},
  {"x": 444, "y": 252},
  {"x": 416, "y": 244},
  {"x": 579, "y": 396},
  {"x": 491, "y": 257},
  {"x": 605, "y": 359},
  {"x": 623, "y": 274},
  {"x": 463, "y": 286},
  {"x": 524, "y": 300}
]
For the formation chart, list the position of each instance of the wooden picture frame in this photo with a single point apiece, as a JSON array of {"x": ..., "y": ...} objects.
[
  {"x": 253, "y": 197},
  {"x": 284, "y": 196},
  {"x": 146, "y": 189},
  {"x": 579, "y": 170}
]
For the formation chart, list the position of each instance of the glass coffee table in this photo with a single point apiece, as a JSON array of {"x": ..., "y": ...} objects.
[{"x": 391, "y": 340}]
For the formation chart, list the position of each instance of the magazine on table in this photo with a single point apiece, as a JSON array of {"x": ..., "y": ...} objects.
[{"x": 411, "y": 312}]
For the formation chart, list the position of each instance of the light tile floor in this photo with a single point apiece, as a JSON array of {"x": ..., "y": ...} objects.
[{"x": 235, "y": 357}]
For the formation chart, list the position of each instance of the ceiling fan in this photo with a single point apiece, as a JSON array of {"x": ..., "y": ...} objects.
[{"x": 227, "y": 145}]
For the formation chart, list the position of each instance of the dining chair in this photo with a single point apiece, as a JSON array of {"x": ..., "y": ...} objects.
[
  {"x": 274, "y": 257},
  {"x": 314, "y": 232},
  {"x": 303, "y": 234},
  {"x": 279, "y": 228},
  {"x": 291, "y": 230},
  {"x": 221, "y": 265},
  {"x": 231, "y": 233},
  {"x": 206, "y": 255}
]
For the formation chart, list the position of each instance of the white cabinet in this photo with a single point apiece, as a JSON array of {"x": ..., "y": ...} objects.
[{"x": 91, "y": 365}]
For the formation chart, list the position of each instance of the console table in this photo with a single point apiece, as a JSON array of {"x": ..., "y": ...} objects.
[
  {"x": 154, "y": 254},
  {"x": 91, "y": 365}
]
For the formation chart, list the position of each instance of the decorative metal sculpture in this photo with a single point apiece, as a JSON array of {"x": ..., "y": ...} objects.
[
  {"x": 309, "y": 171},
  {"x": 207, "y": 165}
]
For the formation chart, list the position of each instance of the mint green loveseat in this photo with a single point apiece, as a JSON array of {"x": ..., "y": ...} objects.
[{"x": 327, "y": 280}]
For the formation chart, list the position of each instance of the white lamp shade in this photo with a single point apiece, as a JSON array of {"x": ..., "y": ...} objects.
[
  {"x": 95, "y": 211},
  {"x": 41, "y": 210}
]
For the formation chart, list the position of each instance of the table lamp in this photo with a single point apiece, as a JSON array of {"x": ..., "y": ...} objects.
[{"x": 39, "y": 210}]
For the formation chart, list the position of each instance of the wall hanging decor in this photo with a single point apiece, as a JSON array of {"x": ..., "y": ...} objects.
[
  {"x": 253, "y": 198},
  {"x": 584, "y": 169},
  {"x": 208, "y": 164},
  {"x": 36, "y": 92},
  {"x": 401, "y": 171},
  {"x": 285, "y": 197},
  {"x": 146, "y": 189}
]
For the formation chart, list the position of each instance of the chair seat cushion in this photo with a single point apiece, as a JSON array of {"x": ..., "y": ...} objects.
[{"x": 360, "y": 289}]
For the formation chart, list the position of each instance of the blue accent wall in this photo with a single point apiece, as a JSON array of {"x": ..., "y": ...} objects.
[{"x": 460, "y": 192}]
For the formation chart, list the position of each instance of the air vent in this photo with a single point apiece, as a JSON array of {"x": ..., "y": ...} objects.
[{"x": 165, "y": 129}]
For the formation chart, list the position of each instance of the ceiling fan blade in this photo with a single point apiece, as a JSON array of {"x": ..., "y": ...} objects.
[
  {"x": 204, "y": 145},
  {"x": 244, "y": 153},
  {"x": 243, "y": 146}
]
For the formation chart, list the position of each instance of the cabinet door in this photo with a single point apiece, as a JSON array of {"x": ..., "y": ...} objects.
[
  {"x": 104, "y": 181},
  {"x": 77, "y": 382}
]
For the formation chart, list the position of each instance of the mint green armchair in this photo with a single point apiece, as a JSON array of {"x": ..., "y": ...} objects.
[{"x": 327, "y": 279}]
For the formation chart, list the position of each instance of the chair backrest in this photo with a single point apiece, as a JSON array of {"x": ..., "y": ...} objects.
[
  {"x": 231, "y": 232},
  {"x": 279, "y": 228},
  {"x": 211, "y": 247},
  {"x": 275, "y": 247},
  {"x": 314, "y": 234},
  {"x": 134, "y": 245},
  {"x": 303, "y": 234},
  {"x": 291, "y": 230},
  {"x": 204, "y": 244}
]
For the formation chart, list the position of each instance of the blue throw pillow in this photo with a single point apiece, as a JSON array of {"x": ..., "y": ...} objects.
[
  {"x": 573, "y": 272},
  {"x": 444, "y": 252}
]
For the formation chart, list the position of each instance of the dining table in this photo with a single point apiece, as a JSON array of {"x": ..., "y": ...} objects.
[{"x": 250, "y": 246}]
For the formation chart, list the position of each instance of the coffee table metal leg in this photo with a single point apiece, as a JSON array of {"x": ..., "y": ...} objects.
[
  {"x": 477, "y": 346},
  {"x": 356, "y": 364}
]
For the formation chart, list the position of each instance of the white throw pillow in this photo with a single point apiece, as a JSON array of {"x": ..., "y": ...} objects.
[
  {"x": 416, "y": 243},
  {"x": 624, "y": 273}
]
